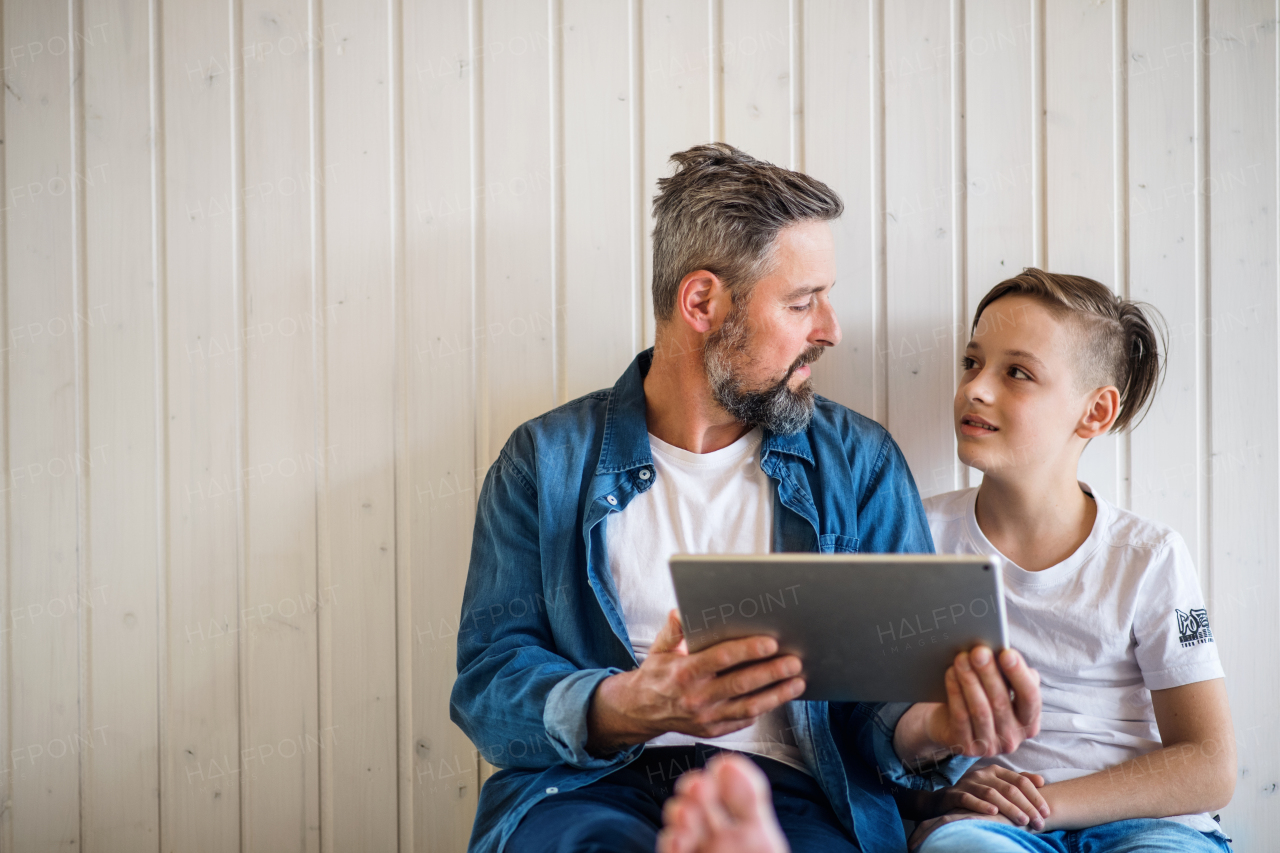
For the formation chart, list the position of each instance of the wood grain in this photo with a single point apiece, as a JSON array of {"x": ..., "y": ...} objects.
[{"x": 280, "y": 279}]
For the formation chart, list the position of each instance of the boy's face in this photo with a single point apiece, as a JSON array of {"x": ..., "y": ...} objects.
[{"x": 1017, "y": 405}]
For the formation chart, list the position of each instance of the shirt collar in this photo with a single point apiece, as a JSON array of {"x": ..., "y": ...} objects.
[{"x": 626, "y": 433}]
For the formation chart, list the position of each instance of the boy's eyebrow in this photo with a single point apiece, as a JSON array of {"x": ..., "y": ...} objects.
[{"x": 1024, "y": 355}]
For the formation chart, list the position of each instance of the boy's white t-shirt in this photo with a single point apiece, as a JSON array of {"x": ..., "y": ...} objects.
[
  {"x": 700, "y": 503},
  {"x": 1120, "y": 617}
]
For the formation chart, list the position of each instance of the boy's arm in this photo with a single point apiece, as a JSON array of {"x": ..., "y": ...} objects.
[{"x": 1194, "y": 772}]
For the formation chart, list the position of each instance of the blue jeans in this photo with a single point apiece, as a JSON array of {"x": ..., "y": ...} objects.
[
  {"x": 622, "y": 812},
  {"x": 1145, "y": 835}
]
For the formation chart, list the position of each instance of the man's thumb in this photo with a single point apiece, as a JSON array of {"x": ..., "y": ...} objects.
[{"x": 671, "y": 637}]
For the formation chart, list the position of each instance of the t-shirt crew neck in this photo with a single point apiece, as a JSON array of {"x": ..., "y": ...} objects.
[
  {"x": 719, "y": 502},
  {"x": 1121, "y": 616},
  {"x": 1058, "y": 572},
  {"x": 742, "y": 448}
]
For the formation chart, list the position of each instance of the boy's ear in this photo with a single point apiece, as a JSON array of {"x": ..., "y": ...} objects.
[{"x": 1103, "y": 408}]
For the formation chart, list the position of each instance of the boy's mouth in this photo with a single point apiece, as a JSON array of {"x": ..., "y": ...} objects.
[{"x": 975, "y": 421}]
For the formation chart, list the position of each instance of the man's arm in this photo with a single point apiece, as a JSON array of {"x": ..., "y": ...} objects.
[
  {"x": 521, "y": 703},
  {"x": 1195, "y": 771}
]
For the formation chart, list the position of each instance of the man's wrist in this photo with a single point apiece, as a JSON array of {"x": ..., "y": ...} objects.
[
  {"x": 916, "y": 746},
  {"x": 609, "y": 729}
]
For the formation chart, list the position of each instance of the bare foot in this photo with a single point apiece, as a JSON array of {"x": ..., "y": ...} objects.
[{"x": 727, "y": 808}]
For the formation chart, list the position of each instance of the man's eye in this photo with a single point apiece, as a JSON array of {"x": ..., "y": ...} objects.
[{"x": 804, "y": 307}]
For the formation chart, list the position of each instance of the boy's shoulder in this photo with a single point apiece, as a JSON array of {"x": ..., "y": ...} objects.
[{"x": 1127, "y": 529}]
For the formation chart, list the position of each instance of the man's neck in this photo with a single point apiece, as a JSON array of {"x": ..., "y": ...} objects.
[{"x": 679, "y": 408}]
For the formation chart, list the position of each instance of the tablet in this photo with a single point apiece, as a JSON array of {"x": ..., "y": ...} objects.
[{"x": 867, "y": 627}]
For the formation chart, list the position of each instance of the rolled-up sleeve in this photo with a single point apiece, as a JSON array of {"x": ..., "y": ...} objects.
[
  {"x": 878, "y": 748},
  {"x": 522, "y": 704},
  {"x": 565, "y": 719}
]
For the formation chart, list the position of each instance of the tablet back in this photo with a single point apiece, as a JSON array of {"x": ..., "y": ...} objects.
[{"x": 868, "y": 627}]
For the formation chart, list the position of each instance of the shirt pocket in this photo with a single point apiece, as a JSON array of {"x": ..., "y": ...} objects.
[{"x": 834, "y": 543}]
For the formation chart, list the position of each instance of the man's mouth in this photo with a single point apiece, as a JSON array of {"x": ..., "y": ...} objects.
[{"x": 801, "y": 365}]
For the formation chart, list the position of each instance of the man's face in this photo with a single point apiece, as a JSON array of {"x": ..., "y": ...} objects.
[{"x": 757, "y": 361}]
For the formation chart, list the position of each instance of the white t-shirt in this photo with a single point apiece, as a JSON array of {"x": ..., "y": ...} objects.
[
  {"x": 1120, "y": 617},
  {"x": 700, "y": 503}
]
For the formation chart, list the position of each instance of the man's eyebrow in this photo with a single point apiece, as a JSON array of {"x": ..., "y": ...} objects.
[{"x": 805, "y": 291}]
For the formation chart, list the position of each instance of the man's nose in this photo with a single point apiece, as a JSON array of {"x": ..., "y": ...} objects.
[{"x": 828, "y": 332}]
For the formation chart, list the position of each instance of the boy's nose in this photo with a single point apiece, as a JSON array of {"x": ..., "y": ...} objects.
[{"x": 977, "y": 389}]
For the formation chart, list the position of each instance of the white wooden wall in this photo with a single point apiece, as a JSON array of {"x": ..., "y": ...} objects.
[{"x": 280, "y": 276}]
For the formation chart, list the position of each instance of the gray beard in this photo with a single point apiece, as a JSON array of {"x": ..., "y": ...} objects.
[{"x": 776, "y": 408}]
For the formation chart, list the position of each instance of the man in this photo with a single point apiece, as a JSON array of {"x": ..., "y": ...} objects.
[{"x": 711, "y": 442}]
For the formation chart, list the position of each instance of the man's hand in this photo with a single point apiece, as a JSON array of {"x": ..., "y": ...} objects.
[
  {"x": 674, "y": 691},
  {"x": 995, "y": 790},
  {"x": 979, "y": 717},
  {"x": 924, "y": 830}
]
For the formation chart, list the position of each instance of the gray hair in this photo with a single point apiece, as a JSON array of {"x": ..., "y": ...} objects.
[{"x": 721, "y": 211}]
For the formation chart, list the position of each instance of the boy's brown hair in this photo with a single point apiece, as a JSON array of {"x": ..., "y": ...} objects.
[{"x": 1118, "y": 337}]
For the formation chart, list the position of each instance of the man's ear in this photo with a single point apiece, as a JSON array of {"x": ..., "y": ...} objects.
[
  {"x": 701, "y": 300},
  {"x": 1103, "y": 408}
]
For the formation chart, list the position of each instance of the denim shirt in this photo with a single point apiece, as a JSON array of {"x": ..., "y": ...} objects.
[{"x": 542, "y": 623}]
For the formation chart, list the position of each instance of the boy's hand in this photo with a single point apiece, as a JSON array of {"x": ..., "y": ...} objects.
[
  {"x": 979, "y": 718},
  {"x": 995, "y": 790}
]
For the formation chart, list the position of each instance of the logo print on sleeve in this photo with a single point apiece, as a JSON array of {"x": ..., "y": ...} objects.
[{"x": 1193, "y": 628}]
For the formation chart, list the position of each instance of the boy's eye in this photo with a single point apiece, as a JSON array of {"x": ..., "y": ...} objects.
[
  {"x": 967, "y": 363},
  {"x": 1018, "y": 373}
]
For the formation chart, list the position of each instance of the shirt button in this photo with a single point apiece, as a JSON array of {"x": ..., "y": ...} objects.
[
  {"x": 612, "y": 500},
  {"x": 645, "y": 474},
  {"x": 553, "y": 790}
]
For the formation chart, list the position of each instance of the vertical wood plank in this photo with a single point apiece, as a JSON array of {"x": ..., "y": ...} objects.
[
  {"x": 1079, "y": 139},
  {"x": 998, "y": 117},
  {"x": 1162, "y": 247},
  {"x": 8, "y": 677},
  {"x": 360, "y": 405},
  {"x": 204, "y": 336},
  {"x": 999, "y": 185},
  {"x": 318, "y": 33},
  {"x": 403, "y": 464},
  {"x": 120, "y": 807},
  {"x": 679, "y": 108},
  {"x": 599, "y": 310},
  {"x": 837, "y": 149},
  {"x": 520, "y": 308},
  {"x": 45, "y": 456},
  {"x": 756, "y": 52},
  {"x": 918, "y": 185},
  {"x": 1241, "y": 184},
  {"x": 441, "y": 203},
  {"x": 281, "y": 598}
]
